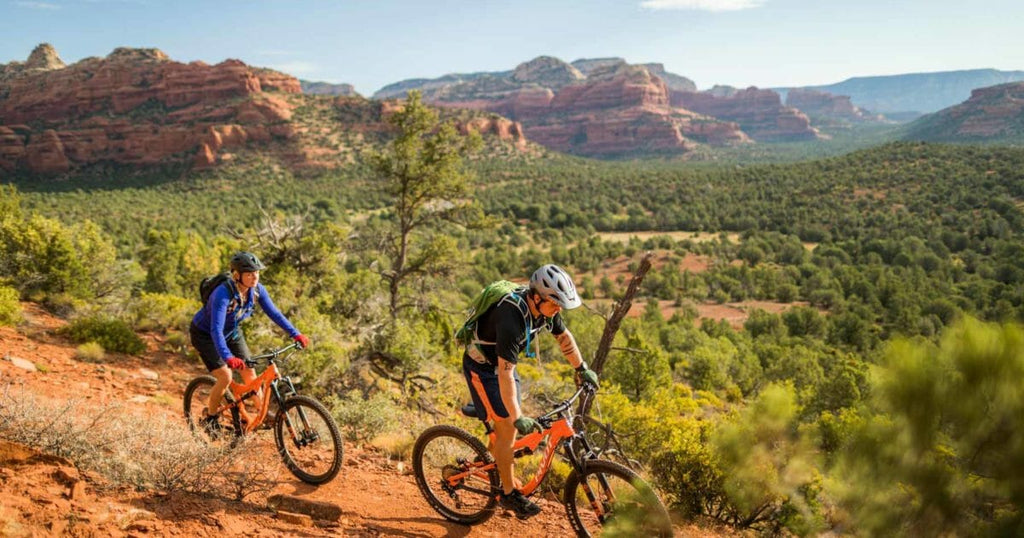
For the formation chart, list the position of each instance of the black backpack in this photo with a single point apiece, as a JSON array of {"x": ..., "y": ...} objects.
[{"x": 210, "y": 283}]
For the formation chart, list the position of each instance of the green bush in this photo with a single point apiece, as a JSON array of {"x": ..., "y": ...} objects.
[
  {"x": 113, "y": 334},
  {"x": 10, "y": 308},
  {"x": 364, "y": 419},
  {"x": 161, "y": 311}
]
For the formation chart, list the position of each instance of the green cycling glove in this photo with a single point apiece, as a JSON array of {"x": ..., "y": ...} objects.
[
  {"x": 586, "y": 375},
  {"x": 526, "y": 425}
]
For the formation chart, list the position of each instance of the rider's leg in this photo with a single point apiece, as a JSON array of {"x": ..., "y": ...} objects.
[
  {"x": 505, "y": 438},
  {"x": 223, "y": 377}
]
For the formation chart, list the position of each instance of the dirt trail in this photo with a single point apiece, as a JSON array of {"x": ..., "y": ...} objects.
[{"x": 377, "y": 496}]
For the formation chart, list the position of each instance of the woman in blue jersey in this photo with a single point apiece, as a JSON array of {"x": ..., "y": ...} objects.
[{"x": 216, "y": 333}]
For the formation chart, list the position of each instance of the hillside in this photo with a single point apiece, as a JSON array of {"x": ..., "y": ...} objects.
[
  {"x": 42, "y": 494},
  {"x": 992, "y": 114},
  {"x": 915, "y": 93}
]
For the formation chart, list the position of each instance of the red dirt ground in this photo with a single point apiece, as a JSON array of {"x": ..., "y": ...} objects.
[{"x": 377, "y": 496}]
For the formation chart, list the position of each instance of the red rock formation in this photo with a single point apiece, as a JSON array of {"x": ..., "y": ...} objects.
[
  {"x": 759, "y": 113},
  {"x": 502, "y": 128},
  {"x": 135, "y": 106},
  {"x": 619, "y": 109},
  {"x": 819, "y": 104},
  {"x": 990, "y": 113}
]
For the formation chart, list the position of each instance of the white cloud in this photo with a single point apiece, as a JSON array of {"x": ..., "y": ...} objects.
[
  {"x": 702, "y": 5},
  {"x": 37, "y": 5}
]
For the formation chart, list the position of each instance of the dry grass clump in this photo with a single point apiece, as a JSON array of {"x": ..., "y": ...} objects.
[
  {"x": 90, "y": 352},
  {"x": 143, "y": 451}
]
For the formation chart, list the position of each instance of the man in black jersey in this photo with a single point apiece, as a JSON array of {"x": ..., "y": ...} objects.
[{"x": 489, "y": 364}]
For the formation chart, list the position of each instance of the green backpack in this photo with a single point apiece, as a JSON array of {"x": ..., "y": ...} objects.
[{"x": 491, "y": 295}]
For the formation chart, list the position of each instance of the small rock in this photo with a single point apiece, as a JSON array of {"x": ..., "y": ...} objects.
[
  {"x": 400, "y": 467},
  {"x": 301, "y": 520},
  {"x": 66, "y": 475},
  {"x": 138, "y": 398},
  {"x": 57, "y": 527},
  {"x": 142, "y": 525},
  {"x": 24, "y": 364},
  {"x": 149, "y": 374},
  {"x": 77, "y": 491}
]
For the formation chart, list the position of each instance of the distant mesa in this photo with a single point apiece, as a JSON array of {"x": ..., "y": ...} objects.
[
  {"x": 990, "y": 114},
  {"x": 595, "y": 107},
  {"x": 909, "y": 95},
  {"x": 824, "y": 107},
  {"x": 759, "y": 113},
  {"x": 327, "y": 88}
]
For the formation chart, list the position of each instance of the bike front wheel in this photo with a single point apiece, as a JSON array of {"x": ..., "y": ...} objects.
[
  {"x": 609, "y": 499},
  {"x": 444, "y": 452},
  {"x": 308, "y": 440}
]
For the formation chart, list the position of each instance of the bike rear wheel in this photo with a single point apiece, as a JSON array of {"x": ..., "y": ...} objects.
[
  {"x": 444, "y": 451},
  {"x": 197, "y": 395},
  {"x": 308, "y": 440},
  {"x": 608, "y": 499}
]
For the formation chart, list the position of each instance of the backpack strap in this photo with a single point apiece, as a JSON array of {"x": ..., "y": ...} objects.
[{"x": 518, "y": 299}]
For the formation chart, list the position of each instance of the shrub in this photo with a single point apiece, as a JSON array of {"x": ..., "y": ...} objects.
[
  {"x": 10, "y": 308},
  {"x": 161, "y": 311},
  {"x": 113, "y": 334},
  {"x": 90, "y": 352},
  {"x": 145, "y": 452},
  {"x": 363, "y": 419}
]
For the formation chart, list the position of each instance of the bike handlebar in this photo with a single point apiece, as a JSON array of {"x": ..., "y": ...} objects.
[
  {"x": 585, "y": 388},
  {"x": 273, "y": 355}
]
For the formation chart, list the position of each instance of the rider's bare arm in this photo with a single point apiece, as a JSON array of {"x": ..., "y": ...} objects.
[
  {"x": 569, "y": 348},
  {"x": 507, "y": 385}
]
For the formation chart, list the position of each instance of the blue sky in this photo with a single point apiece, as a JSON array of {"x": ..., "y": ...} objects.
[{"x": 372, "y": 43}]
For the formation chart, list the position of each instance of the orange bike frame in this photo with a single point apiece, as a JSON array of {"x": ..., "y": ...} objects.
[
  {"x": 558, "y": 431},
  {"x": 251, "y": 422}
]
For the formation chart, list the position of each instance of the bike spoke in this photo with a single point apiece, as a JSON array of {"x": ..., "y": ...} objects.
[
  {"x": 448, "y": 467},
  {"x": 308, "y": 442},
  {"x": 613, "y": 501}
]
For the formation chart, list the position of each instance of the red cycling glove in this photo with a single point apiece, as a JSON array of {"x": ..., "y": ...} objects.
[
  {"x": 302, "y": 339},
  {"x": 234, "y": 363}
]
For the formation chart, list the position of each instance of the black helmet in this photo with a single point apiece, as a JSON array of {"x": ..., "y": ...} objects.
[{"x": 246, "y": 262}]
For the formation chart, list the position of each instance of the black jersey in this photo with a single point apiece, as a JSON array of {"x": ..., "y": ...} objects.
[{"x": 502, "y": 331}]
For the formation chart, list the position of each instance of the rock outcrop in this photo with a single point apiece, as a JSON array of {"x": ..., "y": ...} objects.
[
  {"x": 824, "y": 106},
  {"x": 327, "y": 88},
  {"x": 995, "y": 112},
  {"x": 602, "y": 107},
  {"x": 759, "y": 113},
  {"x": 136, "y": 106}
]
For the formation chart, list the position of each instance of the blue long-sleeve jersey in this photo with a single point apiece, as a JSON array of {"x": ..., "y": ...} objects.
[{"x": 225, "y": 310}]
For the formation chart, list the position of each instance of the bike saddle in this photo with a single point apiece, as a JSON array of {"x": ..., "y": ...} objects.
[{"x": 469, "y": 410}]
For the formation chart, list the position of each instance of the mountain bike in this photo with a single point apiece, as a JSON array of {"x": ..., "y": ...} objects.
[
  {"x": 306, "y": 435},
  {"x": 457, "y": 475}
]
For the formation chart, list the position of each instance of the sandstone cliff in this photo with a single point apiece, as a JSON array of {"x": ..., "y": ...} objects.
[
  {"x": 327, "y": 88},
  {"x": 601, "y": 107},
  {"x": 135, "y": 106},
  {"x": 825, "y": 107},
  {"x": 992, "y": 113},
  {"x": 138, "y": 107},
  {"x": 760, "y": 113}
]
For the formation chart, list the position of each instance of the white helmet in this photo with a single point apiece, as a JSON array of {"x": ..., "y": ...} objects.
[{"x": 552, "y": 282}]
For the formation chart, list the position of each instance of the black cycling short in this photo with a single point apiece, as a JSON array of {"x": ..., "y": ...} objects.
[
  {"x": 484, "y": 388},
  {"x": 203, "y": 342}
]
